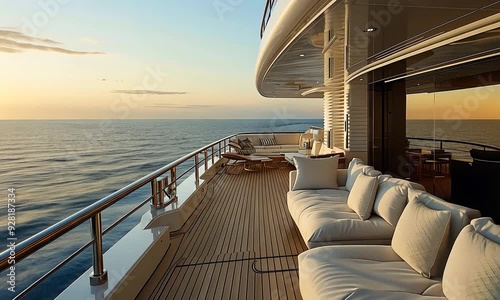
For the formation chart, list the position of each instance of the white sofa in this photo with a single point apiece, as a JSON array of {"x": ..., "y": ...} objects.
[
  {"x": 324, "y": 217},
  {"x": 285, "y": 142},
  {"x": 471, "y": 271}
]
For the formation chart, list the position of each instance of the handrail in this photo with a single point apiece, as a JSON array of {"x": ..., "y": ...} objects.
[
  {"x": 267, "y": 15},
  {"x": 92, "y": 212},
  {"x": 455, "y": 142}
]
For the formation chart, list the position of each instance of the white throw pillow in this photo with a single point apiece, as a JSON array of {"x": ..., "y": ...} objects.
[
  {"x": 473, "y": 268},
  {"x": 390, "y": 201},
  {"x": 319, "y": 173},
  {"x": 362, "y": 196},
  {"x": 421, "y": 237}
]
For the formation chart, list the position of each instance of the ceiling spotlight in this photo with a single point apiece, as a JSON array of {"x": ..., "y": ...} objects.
[
  {"x": 371, "y": 29},
  {"x": 302, "y": 55}
]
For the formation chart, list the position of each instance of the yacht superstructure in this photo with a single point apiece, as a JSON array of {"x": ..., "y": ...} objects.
[{"x": 213, "y": 235}]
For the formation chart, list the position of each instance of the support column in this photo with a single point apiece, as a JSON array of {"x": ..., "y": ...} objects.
[{"x": 334, "y": 75}]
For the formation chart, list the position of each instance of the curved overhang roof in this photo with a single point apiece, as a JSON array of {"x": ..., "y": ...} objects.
[{"x": 290, "y": 58}]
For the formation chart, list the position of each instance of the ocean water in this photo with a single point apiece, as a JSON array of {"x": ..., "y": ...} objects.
[
  {"x": 485, "y": 132},
  {"x": 60, "y": 167}
]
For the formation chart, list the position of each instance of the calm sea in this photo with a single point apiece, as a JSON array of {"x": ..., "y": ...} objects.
[
  {"x": 59, "y": 167},
  {"x": 476, "y": 131}
]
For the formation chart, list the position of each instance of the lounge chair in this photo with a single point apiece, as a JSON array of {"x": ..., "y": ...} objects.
[{"x": 249, "y": 163}]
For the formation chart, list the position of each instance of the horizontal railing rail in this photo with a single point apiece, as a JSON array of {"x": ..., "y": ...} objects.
[
  {"x": 441, "y": 141},
  {"x": 92, "y": 213},
  {"x": 267, "y": 15}
]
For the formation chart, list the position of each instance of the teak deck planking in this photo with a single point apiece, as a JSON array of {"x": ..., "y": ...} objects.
[{"x": 241, "y": 243}]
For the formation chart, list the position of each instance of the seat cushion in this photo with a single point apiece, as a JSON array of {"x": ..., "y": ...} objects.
[
  {"x": 421, "y": 237},
  {"x": 323, "y": 218},
  {"x": 335, "y": 272},
  {"x": 473, "y": 268}
]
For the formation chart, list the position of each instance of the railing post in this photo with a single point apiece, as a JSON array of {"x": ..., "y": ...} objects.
[
  {"x": 173, "y": 183},
  {"x": 206, "y": 159},
  {"x": 99, "y": 275},
  {"x": 225, "y": 146},
  {"x": 441, "y": 145},
  {"x": 213, "y": 156},
  {"x": 155, "y": 193},
  {"x": 196, "y": 168}
]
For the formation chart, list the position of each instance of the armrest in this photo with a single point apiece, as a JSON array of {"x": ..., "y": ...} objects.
[
  {"x": 341, "y": 177},
  {"x": 293, "y": 177}
]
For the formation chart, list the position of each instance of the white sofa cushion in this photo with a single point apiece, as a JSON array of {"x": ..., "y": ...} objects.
[
  {"x": 421, "y": 236},
  {"x": 316, "y": 173},
  {"x": 390, "y": 201},
  {"x": 287, "y": 139},
  {"x": 323, "y": 218},
  {"x": 357, "y": 167},
  {"x": 335, "y": 272},
  {"x": 362, "y": 195},
  {"x": 353, "y": 170},
  {"x": 473, "y": 268}
]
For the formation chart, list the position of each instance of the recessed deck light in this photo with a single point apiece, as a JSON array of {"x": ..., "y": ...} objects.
[
  {"x": 371, "y": 29},
  {"x": 302, "y": 55}
]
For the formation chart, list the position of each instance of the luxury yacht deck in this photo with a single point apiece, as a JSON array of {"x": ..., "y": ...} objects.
[{"x": 239, "y": 244}]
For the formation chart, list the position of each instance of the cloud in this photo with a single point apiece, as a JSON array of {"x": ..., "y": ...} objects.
[
  {"x": 90, "y": 41},
  {"x": 16, "y": 42},
  {"x": 178, "y": 106},
  {"x": 147, "y": 92},
  {"x": 20, "y": 36}
]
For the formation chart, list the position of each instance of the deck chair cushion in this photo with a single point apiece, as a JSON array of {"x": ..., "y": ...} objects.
[
  {"x": 473, "y": 268},
  {"x": 315, "y": 174}
]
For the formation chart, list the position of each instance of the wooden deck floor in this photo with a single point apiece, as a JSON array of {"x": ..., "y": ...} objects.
[{"x": 241, "y": 243}]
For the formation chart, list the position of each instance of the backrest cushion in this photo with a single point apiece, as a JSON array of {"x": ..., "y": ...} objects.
[
  {"x": 390, "y": 201},
  {"x": 355, "y": 168},
  {"x": 316, "y": 173},
  {"x": 287, "y": 139},
  {"x": 473, "y": 268},
  {"x": 316, "y": 148},
  {"x": 421, "y": 237},
  {"x": 362, "y": 196},
  {"x": 408, "y": 184}
]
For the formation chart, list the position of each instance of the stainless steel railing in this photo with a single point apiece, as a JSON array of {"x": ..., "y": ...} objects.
[
  {"x": 267, "y": 15},
  {"x": 92, "y": 213}
]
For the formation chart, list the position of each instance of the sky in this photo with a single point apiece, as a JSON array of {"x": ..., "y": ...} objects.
[
  {"x": 158, "y": 59},
  {"x": 164, "y": 59}
]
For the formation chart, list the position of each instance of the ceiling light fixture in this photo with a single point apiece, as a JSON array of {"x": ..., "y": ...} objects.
[{"x": 371, "y": 29}]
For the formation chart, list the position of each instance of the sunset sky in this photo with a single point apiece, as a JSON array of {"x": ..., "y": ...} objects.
[
  {"x": 76, "y": 59},
  {"x": 134, "y": 59}
]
